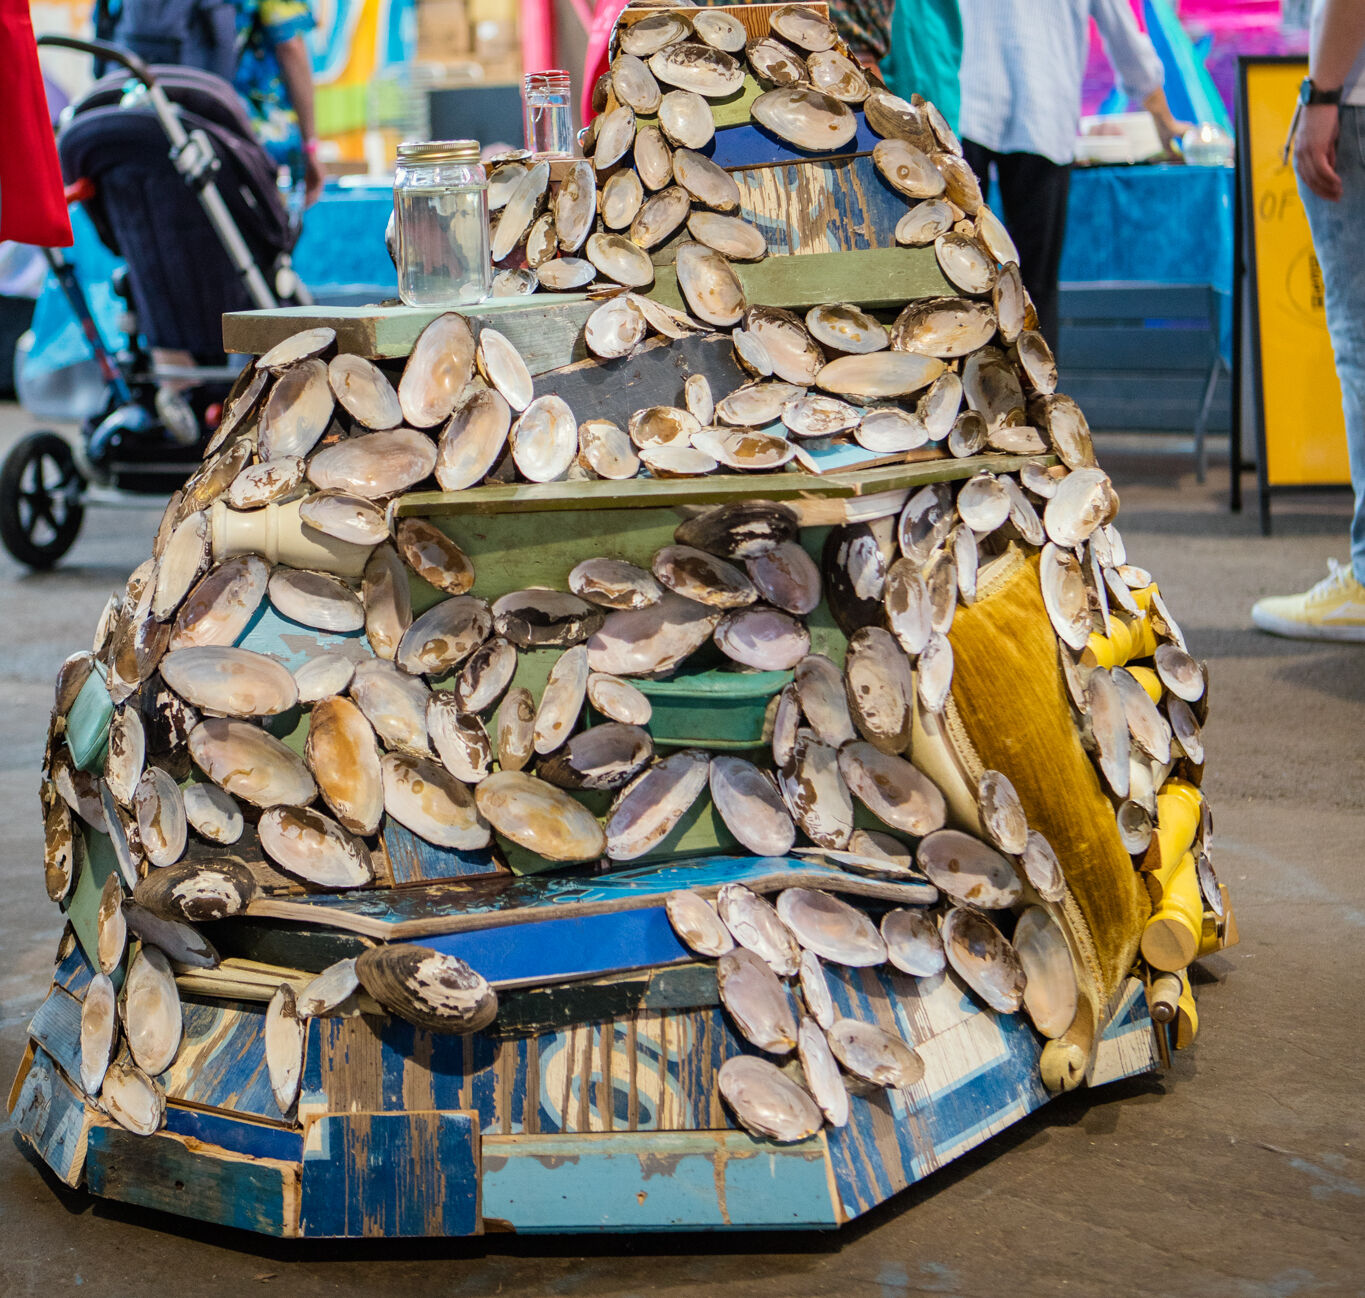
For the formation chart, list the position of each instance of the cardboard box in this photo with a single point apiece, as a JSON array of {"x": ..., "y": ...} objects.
[
  {"x": 443, "y": 29},
  {"x": 495, "y": 41}
]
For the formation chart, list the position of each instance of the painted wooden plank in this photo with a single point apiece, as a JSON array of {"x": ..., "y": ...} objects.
[
  {"x": 655, "y": 1182},
  {"x": 414, "y": 860},
  {"x": 814, "y": 207},
  {"x": 95, "y": 862},
  {"x": 74, "y": 970},
  {"x": 56, "y": 1026},
  {"x": 752, "y": 145},
  {"x": 290, "y": 946},
  {"x": 293, "y": 644},
  {"x": 237, "y": 1136},
  {"x": 390, "y": 1175},
  {"x": 733, "y": 111},
  {"x": 546, "y": 328},
  {"x": 52, "y": 1116},
  {"x": 172, "y": 1174},
  {"x": 1128, "y": 1044},
  {"x": 221, "y": 1062}
]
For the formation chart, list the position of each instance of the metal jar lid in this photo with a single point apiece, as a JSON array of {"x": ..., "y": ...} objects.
[{"x": 438, "y": 151}]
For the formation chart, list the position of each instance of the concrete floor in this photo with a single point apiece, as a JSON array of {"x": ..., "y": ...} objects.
[{"x": 1237, "y": 1173}]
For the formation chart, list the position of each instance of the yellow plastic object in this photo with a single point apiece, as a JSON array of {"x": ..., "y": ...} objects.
[
  {"x": 1186, "y": 1015},
  {"x": 1179, "y": 808},
  {"x": 1129, "y": 637},
  {"x": 1172, "y": 936},
  {"x": 1149, "y": 681},
  {"x": 1143, "y": 598}
]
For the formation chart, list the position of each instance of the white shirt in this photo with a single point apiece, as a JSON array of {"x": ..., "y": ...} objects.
[
  {"x": 1022, "y": 66},
  {"x": 1353, "y": 89}
]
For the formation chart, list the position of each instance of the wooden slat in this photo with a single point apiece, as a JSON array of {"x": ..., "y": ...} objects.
[
  {"x": 1128, "y": 1044},
  {"x": 49, "y": 1112},
  {"x": 56, "y": 1026},
  {"x": 235, "y": 1135},
  {"x": 221, "y": 1062},
  {"x": 414, "y": 860},
  {"x": 1148, "y": 401},
  {"x": 752, "y": 145},
  {"x": 74, "y": 971}
]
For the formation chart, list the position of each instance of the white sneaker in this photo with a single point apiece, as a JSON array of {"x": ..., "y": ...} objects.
[{"x": 1333, "y": 610}]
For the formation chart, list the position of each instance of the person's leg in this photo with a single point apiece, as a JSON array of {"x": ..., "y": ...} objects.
[
  {"x": 1335, "y": 608},
  {"x": 1033, "y": 192}
]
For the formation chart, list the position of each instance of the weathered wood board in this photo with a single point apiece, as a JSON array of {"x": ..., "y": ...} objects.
[
  {"x": 73, "y": 971},
  {"x": 705, "y": 1180},
  {"x": 1128, "y": 1044},
  {"x": 391, "y": 1175},
  {"x": 414, "y": 860},
  {"x": 51, "y": 1115},
  {"x": 221, "y": 1064},
  {"x": 235, "y": 1135},
  {"x": 56, "y": 1027},
  {"x": 748, "y": 144},
  {"x": 177, "y": 1175}
]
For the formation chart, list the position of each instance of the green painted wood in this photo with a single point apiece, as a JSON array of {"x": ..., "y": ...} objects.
[
  {"x": 546, "y": 328},
  {"x": 290, "y": 946},
  {"x": 166, "y": 1173},
  {"x": 872, "y": 277},
  {"x": 87, "y": 722},
  {"x": 52, "y": 1116},
  {"x": 95, "y": 862},
  {"x": 734, "y": 111}
]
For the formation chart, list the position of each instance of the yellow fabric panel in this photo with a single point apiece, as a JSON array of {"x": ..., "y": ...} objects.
[{"x": 1012, "y": 704}]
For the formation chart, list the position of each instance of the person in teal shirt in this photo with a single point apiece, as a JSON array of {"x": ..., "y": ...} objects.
[{"x": 925, "y": 57}]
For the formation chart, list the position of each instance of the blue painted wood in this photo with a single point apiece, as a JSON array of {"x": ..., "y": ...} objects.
[
  {"x": 270, "y": 632},
  {"x": 165, "y": 1173},
  {"x": 221, "y": 1062},
  {"x": 387, "y": 1175},
  {"x": 254, "y": 1139},
  {"x": 753, "y": 145},
  {"x": 1128, "y": 1044},
  {"x": 567, "y": 947},
  {"x": 73, "y": 972},
  {"x": 414, "y": 860},
  {"x": 56, "y": 1026},
  {"x": 51, "y": 1115},
  {"x": 655, "y": 1182}
]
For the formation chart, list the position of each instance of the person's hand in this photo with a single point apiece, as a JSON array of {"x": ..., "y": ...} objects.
[
  {"x": 1170, "y": 130},
  {"x": 1315, "y": 149},
  {"x": 312, "y": 179}
]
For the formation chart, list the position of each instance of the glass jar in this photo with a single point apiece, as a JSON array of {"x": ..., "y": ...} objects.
[
  {"x": 440, "y": 203},
  {"x": 548, "y": 104}
]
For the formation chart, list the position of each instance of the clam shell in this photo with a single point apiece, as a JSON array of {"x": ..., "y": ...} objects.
[
  {"x": 444, "y": 636},
  {"x": 126, "y": 755},
  {"x": 259, "y": 484},
  {"x": 526, "y": 202},
  {"x": 731, "y": 236},
  {"x": 745, "y": 530},
  {"x": 619, "y": 259},
  {"x": 250, "y": 764},
  {"x": 111, "y": 928},
  {"x": 441, "y": 363},
  {"x": 894, "y": 118},
  {"x": 161, "y": 820},
  {"x": 685, "y": 119},
  {"x": 652, "y": 33},
  {"x": 820, "y": 691},
  {"x": 821, "y": 1073},
  {"x": 940, "y": 579},
  {"x": 983, "y": 959},
  {"x": 614, "y": 583},
  {"x": 879, "y": 374},
  {"x": 1069, "y": 432},
  {"x": 438, "y": 992},
  {"x": 197, "y": 892},
  {"x": 892, "y": 789},
  {"x": 615, "y": 329},
  {"x": 935, "y": 679},
  {"x": 646, "y": 810},
  {"x": 1083, "y": 501},
  {"x": 1148, "y": 728},
  {"x": 690, "y": 65},
  {"x": 230, "y": 681},
  {"x": 1010, "y": 302},
  {"x": 1109, "y": 727},
  {"x": 565, "y": 274},
  {"x": 432, "y": 803},
  {"x": 834, "y": 930},
  {"x": 880, "y": 689},
  {"x": 486, "y": 675},
  {"x": 660, "y": 216},
  {"x": 702, "y": 577},
  {"x": 434, "y": 556},
  {"x": 133, "y": 1099},
  {"x": 806, "y": 118},
  {"x": 696, "y": 923},
  {"x": 1002, "y": 813},
  {"x": 618, "y": 699},
  {"x": 1041, "y": 867},
  {"x": 816, "y": 794},
  {"x": 843, "y": 327},
  {"x": 186, "y": 557},
  {"x": 539, "y": 817},
  {"x": 502, "y": 184},
  {"x": 749, "y": 803},
  {"x": 561, "y": 702},
  {"x": 298, "y": 347},
  {"x": 343, "y": 755},
  {"x": 501, "y": 365},
  {"x": 181, "y": 943},
  {"x": 99, "y": 1032},
  {"x": 545, "y": 439},
  {"x": 804, "y": 28},
  {"x": 697, "y": 398},
  {"x": 719, "y": 30},
  {"x": 151, "y": 1011},
  {"x": 633, "y": 84},
  {"x": 763, "y": 638},
  {"x": 943, "y": 132},
  {"x": 341, "y": 515},
  {"x": 909, "y": 612},
  {"x": 375, "y": 465},
  {"x": 787, "y": 577},
  {"x": 913, "y": 943},
  {"x": 776, "y": 63},
  {"x": 1134, "y": 826},
  {"x": 968, "y": 870},
  {"x": 786, "y": 725},
  {"x": 964, "y": 190},
  {"x": 540, "y": 617},
  {"x": 124, "y": 837},
  {"x": 992, "y": 389},
  {"x": 662, "y": 426},
  {"x": 315, "y": 599},
  {"x": 907, "y": 169},
  {"x": 364, "y": 391},
  {"x": 516, "y": 728},
  {"x": 284, "y": 1038},
  {"x": 766, "y": 1102},
  {"x": 607, "y": 450},
  {"x": 853, "y": 568},
  {"x": 394, "y": 703},
  {"x": 472, "y": 441},
  {"x": 313, "y": 847},
  {"x": 387, "y": 600},
  {"x": 1050, "y": 992},
  {"x": 59, "y": 851},
  {"x": 622, "y": 196},
  {"x": 651, "y": 641},
  {"x": 946, "y": 327},
  {"x": 817, "y": 416},
  {"x": 966, "y": 264},
  {"x": 1179, "y": 673},
  {"x": 757, "y": 1001},
  {"x": 297, "y": 411},
  {"x": 834, "y": 74},
  {"x": 939, "y": 406},
  {"x": 815, "y": 989},
  {"x": 653, "y": 170},
  {"x": 329, "y": 990},
  {"x": 755, "y": 925},
  {"x": 745, "y": 449},
  {"x": 1037, "y": 362},
  {"x": 1185, "y": 727},
  {"x": 795, "y": 356},
  {"x": 1065, "y": 596},
  {"x": 924, "y": 222},
  {"x": 874, "y": 1054},
  {"x": 755, "y": 404},
  {"x": 605, "y": 756},
  {"x": 575, "y": 208},
  {"x": 710, "y": 286},
  {"x": 968, "y": 435}
]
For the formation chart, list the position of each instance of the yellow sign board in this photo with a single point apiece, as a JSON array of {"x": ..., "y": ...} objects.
[{"x": 1303, "y": 434}]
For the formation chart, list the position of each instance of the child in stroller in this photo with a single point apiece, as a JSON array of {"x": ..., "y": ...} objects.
[{"x": 164, "y": 161}]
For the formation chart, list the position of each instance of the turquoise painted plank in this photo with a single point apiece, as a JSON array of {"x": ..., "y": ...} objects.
[
  {"x": 270, "y": 632},
  {"x": 56, "y": 1026},
  {"x": 390, "y": 1175},
  {"x": 74, "y": 971},
  {"x": 95, "y": 862},
  {"x": 661, "y": 1181},
  {"x": 165, "y": 1173},
  {"x": 414, "y": 860},
  {"x": 52, "y": 1117},
  {"x": 254, "y": 1139}
]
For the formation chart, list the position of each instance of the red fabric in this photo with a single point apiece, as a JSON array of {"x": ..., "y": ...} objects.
[
  {"x": 32, "y": 207},
  {"x": 599, "y": 37}
]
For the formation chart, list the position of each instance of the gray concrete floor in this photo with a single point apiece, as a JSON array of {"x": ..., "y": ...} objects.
[{"x": 1237, "y": 1173}]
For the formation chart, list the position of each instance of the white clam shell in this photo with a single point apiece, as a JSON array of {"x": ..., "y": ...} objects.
[
  {"x": 968, "y": 870},
  {"x": 834, "y": 930},
  {"x": 1050, "y": 992},
  {"x": 757, "y": 927},
  {"x": 539, "y": 817},
  {"x": 766, "y": 1101},
  {"x": 151, "y": 1011},
  {"x": 425, "y": 797},
  {"x": 874, "y": 1054},
  {"x": 757, "y": 1001},
  {"x": 749, "y": 803},
  {"x": 313, "y": 847},
  {"x": 913, "y": 943},
  {"x": 981, "y": 956},
  {"x": 696, "y": 922}
]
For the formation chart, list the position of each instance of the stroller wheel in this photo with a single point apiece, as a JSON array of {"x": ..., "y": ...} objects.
[{"x": 40, "y": 500}]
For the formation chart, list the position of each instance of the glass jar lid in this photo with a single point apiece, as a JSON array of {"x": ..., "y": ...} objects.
[{"x": 438, "y": 151}]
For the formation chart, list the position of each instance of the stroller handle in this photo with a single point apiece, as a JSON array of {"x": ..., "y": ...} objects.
[{"x": 103, "y": 50}]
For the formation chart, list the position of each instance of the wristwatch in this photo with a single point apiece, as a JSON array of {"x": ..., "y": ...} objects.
[{"x": 1312, "y": 94}]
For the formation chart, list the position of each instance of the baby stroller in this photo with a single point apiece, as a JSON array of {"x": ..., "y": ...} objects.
[{"x": 164, "y": 161}]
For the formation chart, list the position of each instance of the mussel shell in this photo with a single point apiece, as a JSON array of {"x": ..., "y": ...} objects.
[
  {"x": 755, "y": 405},
  {"x": 298, "y": 347},
  {"x": 615, "y": 329},
  {"x": 766, "y": 1101},
  {"x": 709, "y": 285},
  {"x": 843, "y": 327},
  {"x": 889, "y": 430},
  {"x": 1002, "y": 813},
  {"x": 516, "y": 728},
  {"x": 853, "y": 569},
  {"x": 894, "y": 118},
  {"x": 685, "y": 119},
  {"x": 459, "y": 738},
  {"x": 539, "y": 817},
  {"x": 337, "y": 514},
  {"x": 805, "y": 117},
  {"x": 815, "y": 989},
  {"x": 821, "y": 1073},
  {"x": 981, "y": 956},
  {"x": 259, "y": 484},
  {"x": 375, "y": 465},
  {"x": 434, "y": 556},
  {"x": 614, "y": 583},
  {"x": 879, "y": 374},
  {"x": 834, "y": 930},
  {"x": 545, "y": 439},
  {"x": 966, "y": 265},
  {"x": 820, "y": 691},
  {"x": 561, "y": 702},
  {"x": 473, "y": 440},
  {"x": 835, "y": 74},
  {"x": 197, "y": 892},
  {"x": 619, "y": 259},
  {"x": 695, "y": 921},
  {"x": 132, "y": 1099},
  {"x": 1185, "y": 727},
  {"x": 605, "y": 756},
  {"x": 387, "y": 597},
  {"x": 1065, "y": 595},
  {"x": 720, "y": 30},
  {"x": 438, "y": 992},
  {"x": 804, "y": 28},
  {"x": 907, "y": 169},
  {"x": 934, "y": 682},
  {"x": 874, "y": 1054},
  {"x": 218, "y": 608},
  {"x": 763, "y": 638},
  {"x": 99, "y": 1032},
  {"x": 618, "y": 699},
  {"x": 776, "y": 63},
  {"x": 576, "y": 207},
  {"x": 185, "y": 558},
  {"x": 652, "y": 33},
  {"x": 946, "y": 327},
  {"x": 646, "y": 810},
  {"x": 913, "y": 943},
  {"x": 59, "y": 851},
  {"x": 1179, "y": 673},
  {"x": 329, "y": 990},
  {"x": 181, "y": 943},
  {"x": 422, "y": 795},
  {"x": 502, "y": 366},
  {"x": 343, "y": 755},
  {"x": 757, "y": 1001},
  {"x": 486, "y": 675},
  {"x": 441, "y": 363},
  {"x": 968, "y": 870},
  {"x": 633, "y": 83},
  {"x": 896, "y": 792},
  {"x": 1083, "y": 501},
  {"x": 745, "y": 529},
  {"x": 111, "y": 931},
  {"x": 284, "y": 1039},
  {"x": 731, "y": 236},
  {"x": 787, "y": 577},
  {"x": 541, "y": 617},
  {"x": 702, "y": 577},
  {"x": 565, "y": 274},
  {"x": 662, "y": 426},
  {"x": 250, "y": 764},
  {"x": 924, "y": 222},
  {"x": 1041, "y": 867},
  {"x": 297, "y": 411},
  {"x": 310, "y": 846},
  {"x": 880, "y": 689},
  {"x": 524, "y": 205},
  {"x": 444, "y": 636},
  {"x": 749, "y": 803},
  {"x": 1050, "y": 992},
  {"x": 1109, "y": 726},
  {"x": 755, "y": 925},
  {"x": 795, "y": 356}
]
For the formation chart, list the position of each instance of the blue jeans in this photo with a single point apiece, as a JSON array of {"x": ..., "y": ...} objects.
[{"x": 1339, "y": 242}]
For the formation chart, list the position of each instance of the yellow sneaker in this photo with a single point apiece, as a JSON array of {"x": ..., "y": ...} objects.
[{"x": 1333, "y": 610}]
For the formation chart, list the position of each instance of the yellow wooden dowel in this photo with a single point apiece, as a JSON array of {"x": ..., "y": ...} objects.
[{"x": 1171, "y": 939}]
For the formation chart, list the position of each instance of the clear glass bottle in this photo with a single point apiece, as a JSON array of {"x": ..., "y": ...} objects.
[
  {"x": 440, "y": 203},
  {"x": 548, "y": 104}
]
